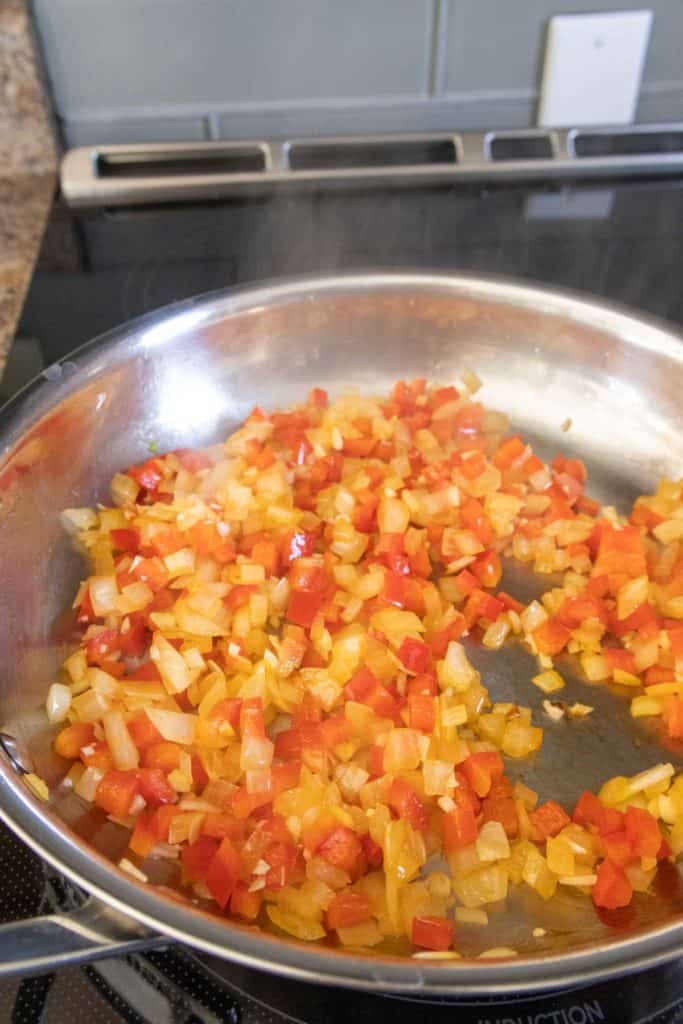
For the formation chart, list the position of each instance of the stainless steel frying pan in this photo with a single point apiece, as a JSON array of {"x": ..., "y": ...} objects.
[{"x": 187, "y": 375}]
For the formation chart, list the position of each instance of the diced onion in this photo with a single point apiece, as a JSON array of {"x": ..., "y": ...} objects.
[
  {"x": 175, "y": 726},
  {"x": 103, "y": 594},
  {"x": 86, "y": 787},
  {"x": 171, "y": 664},
  {"x": 122, "y": 748},
  {"x": 58, "y": 702},
  {"x": 76, "y": 520}
]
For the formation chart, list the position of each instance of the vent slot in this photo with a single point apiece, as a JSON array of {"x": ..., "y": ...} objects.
[
  {"x": 312, "y": 156},
  {"x": 240, "y": 160},
  {"x": 587, "y": 144},
  {"x": 520, "y": 147}
]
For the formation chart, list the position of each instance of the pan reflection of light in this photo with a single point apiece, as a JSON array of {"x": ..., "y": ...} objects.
[
  {"x": 190, "y": 400},
  {"x": 168, "y": 329}
]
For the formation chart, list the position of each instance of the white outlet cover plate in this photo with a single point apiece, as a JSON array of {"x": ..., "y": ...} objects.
[{"x": 592, "y": 69}]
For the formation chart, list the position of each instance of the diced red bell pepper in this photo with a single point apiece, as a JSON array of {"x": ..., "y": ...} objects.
[
  {"x": 482, "y": 769},
  {"x": 551, "y": 637},
  {"x": 227, "y": 710},
  {"x": 618, "y": 847},
  {"x": 422, "y": 712},
  {"x": 340, "y": 848},
  {"x": 335, "y": 730},
  {"x": 487, "y": 568},
  {"x": 251, "y": 718},
  {"x": 147, "y": 672},
  {"x": 403, "y": 592},
  {"x": 508, "y": 450},
  {"x": 459, "y": 827},
  {"x": 297, "y": 544},
  {"x": 643, "y": 831},
  {"x": 499, "y": 806},
  {"x": 318, "y": 397},
  {"x": 440, "y": 640},
  {"x": 509, "y": 602},
  {"x": 265, "y": 553},
  {"x": 290, "y": 744},
  {"x": 239, "y": 596},
  {"x": 415, "y": 655},
  {"x": 218, "y": 825},
  {"x": 434, "y": 933},
  {"x": 406, "y": 803},
  {"x": 590, "y": 810},
  {"x": 676, "y": 641},
  {"x": 575, "y": 610},
  {"x": 163, "y": 816},
  {"x": 620, "y": 551},
  {"x": 125, "y": 540},
  {"x": 142, "y": 730},
  {"x": 473, "y": 517},
  {"x": 154, "y": 787},
  {"x": 619, "y": 658},
  {"x": 223, "y": 872},
  {"x": 193, "y": 460},
  {"x": 148, "y": 474},
  {"x": 71, "y": 738},
  {"x": 373, "y": 851},
  {"x": 365, "y": 688},
  {"x": 284, "y": 777},
  {"x": 283, "y": 858},
  {"x": 424, "y": 684},
  {"x": 133, "y": 640},
  {"x": 144, "y": 836},
  {"x": 244, "y": 903},
  {"x": 644, "y": 620},
  {"x": 101, "y": 647},
  {"x": 168, "y": 541},
  {"x": 376, "y": 761},
  {"x": 116, "y": 792},
  {"x": 548, "y": 819},
  {"x": 164, "y": 755},
  {"x": 97, "y": 755},
  {"x": 467, "y": 583},
  {"x": 474, "y": 466},
  {"x": 390, "y": 550},
  {"x": 196, "y": 858},
  {"x": 481, "y": 605},
  {"x": 259, "y": 455},
  {"x": 597, "y": 587},
  {"x": 673, "y": 717},
  {"x": 244, "y": 804},
  {"x": 153, "y": 572},
  {"x": 657, "y": 674},
  {"x": 364, "y": 515},
  {"x": 348, "y": 908},
  {"x": 303, "y": 607},
  {"x": 612, "y": 888}
]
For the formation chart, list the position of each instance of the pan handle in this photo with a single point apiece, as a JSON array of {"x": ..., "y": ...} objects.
[{"x": 40, "y": 944}]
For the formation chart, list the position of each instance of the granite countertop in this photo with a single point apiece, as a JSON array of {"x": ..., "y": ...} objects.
[{"x": 28, "y": 164}]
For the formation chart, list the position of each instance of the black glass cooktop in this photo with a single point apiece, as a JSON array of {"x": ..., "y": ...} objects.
[{"x": 618, "y": 240}]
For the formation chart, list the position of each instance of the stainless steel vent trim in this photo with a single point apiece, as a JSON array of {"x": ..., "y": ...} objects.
[{"x": 82, "y": 185}]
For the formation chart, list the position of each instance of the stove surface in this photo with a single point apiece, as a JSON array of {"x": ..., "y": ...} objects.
[
  {"x": 179, "y": 986},
  {"x": 619, "y": 240}
]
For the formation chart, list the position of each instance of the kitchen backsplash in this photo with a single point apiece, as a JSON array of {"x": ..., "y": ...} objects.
[{"x": 177, "y": 70}]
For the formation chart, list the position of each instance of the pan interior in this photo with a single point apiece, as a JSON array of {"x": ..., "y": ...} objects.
[{"x": 188, "y": 376}]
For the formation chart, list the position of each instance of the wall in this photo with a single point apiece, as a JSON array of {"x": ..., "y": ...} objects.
[{"x": 171, "y": 70}]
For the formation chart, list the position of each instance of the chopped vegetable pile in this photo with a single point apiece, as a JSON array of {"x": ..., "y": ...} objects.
[{"x": 272, "y": 689}]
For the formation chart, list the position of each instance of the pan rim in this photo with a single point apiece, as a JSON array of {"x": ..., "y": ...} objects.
[{"x": 26, "y": 816}]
